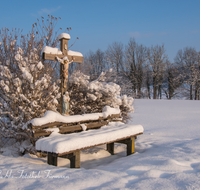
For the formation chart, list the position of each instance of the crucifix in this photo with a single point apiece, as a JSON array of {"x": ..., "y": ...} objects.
[{"x": 65, "y": 57}]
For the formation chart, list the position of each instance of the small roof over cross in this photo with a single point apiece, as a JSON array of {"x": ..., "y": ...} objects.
[{"x": 50, "y": 53}]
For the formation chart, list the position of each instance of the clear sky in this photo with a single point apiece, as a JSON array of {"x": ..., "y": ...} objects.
[{"x": 99, "y": 23}]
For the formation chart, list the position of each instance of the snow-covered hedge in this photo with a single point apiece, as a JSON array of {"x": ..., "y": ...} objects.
[
  {"x": 27, "y": 91},
  {"x": 91, "y": 96}
]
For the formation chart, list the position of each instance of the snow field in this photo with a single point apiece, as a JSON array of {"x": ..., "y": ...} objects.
[{"x": 167, "y": 156}]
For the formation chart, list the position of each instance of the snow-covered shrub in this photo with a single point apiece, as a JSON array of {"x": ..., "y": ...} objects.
[
  {"x": 91, "y": 96},
  {"x": 27, "y": 85},
  {"x": 26, "y": 92}
]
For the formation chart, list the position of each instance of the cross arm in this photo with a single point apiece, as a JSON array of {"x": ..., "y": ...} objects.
[{"x": 72, "y": 58}]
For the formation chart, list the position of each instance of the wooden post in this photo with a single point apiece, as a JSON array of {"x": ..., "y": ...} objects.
[
  {"x": 68, "y": 57},
  {"x": 75, "y": 160},
  {"x": 110, "y": 148},
  {"x": 63, "y": 69},
  {"x": 130, "y": 142},
  {"x": 131, "y": 146},
  {"x": 51, "y": 159}
]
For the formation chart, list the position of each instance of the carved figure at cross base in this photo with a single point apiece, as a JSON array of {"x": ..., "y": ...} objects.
[
  {"x": 65, "y": 104},
  {"x": 65, "y": 57}
]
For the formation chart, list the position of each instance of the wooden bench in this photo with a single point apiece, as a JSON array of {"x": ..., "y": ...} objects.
[{"x": 75, "y": 133}]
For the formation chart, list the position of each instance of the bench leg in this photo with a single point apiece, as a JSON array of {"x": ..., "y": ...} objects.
[
  {"x": 131, "y": 146},
  {"x": 75, "y": 160},
  {"x": 130, "y": 142},
  {"x": 52, "y": 160},
  {"x": 110, "y": 148}
]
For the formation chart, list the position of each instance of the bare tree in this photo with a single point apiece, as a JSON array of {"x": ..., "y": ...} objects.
[
  {"x": 95, "y": 63},
  {"x": 172, "y": 80},
  {"x": 197, "y": 90},
  {"x": 188, "y": 61},
  {"x": 157, "y": 62},
  {"x": 147, "y": 81},
  {"x": 136, "y": 56},
  {"x": 115, "y": 56}
]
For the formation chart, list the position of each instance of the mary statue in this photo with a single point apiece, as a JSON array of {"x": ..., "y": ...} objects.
[{"x": 65, "y": 104}]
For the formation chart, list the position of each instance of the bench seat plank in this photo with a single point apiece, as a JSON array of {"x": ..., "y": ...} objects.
[{"x": 61, "y": 144}]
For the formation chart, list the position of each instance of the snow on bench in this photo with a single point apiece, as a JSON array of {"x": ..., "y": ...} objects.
[
  {"x": 51, "y": 117},
  {"x": 108, "y": 130},
  {"x": 62, "y": 143}
]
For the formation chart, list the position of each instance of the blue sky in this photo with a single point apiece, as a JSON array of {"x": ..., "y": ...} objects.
[{"x": 99, "y": 23}]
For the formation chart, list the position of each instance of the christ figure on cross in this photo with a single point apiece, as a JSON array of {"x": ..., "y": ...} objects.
[{"x": 65, "y": 57}]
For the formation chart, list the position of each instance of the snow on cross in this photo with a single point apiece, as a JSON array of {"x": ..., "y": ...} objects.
[
  {"x": 50, "y": 53},
  {"x": 65, "y": 57}
]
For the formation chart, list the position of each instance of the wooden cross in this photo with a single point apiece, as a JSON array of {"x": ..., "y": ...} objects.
[{"x": 65, "y": 57}]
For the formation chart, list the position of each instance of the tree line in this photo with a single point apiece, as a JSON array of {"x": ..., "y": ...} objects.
[{"x": 146, "y": 72}]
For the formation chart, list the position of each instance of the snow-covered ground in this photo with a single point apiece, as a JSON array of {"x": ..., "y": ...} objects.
[{"x": 167, "y": 156}]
